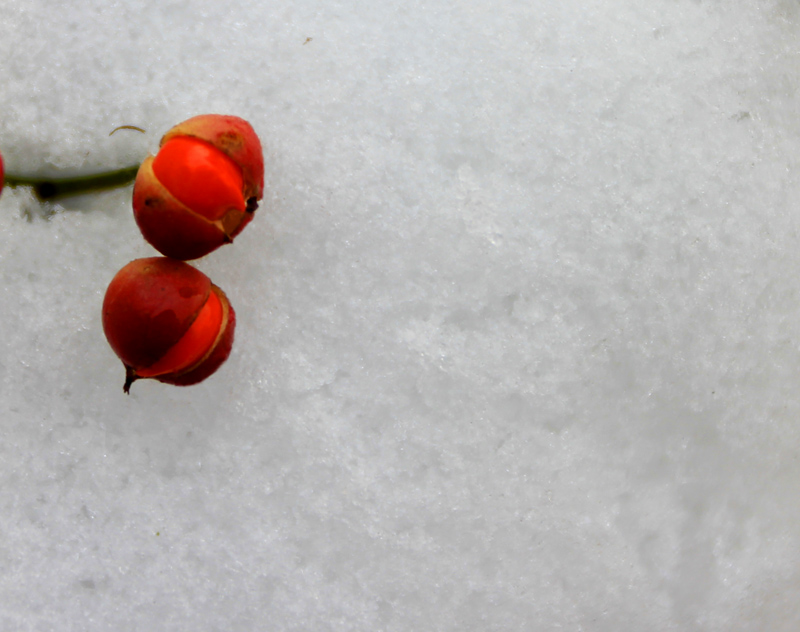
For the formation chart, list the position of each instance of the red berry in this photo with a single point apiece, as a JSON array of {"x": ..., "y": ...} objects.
[
  {"x": 202, "y": 187},
  {"x": 167, "y": 321},
  {"x": 200, "y": 176}
]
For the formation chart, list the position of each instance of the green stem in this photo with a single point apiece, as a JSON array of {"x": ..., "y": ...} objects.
[{"x": 50, "y": 188}]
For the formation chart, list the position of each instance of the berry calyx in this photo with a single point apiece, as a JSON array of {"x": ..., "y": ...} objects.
[
  {"x": 165, "y": 320},
  {"x": 202, "y": 187}
]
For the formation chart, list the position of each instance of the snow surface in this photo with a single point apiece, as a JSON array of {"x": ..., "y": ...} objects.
[{"x": 518, "y": 344}]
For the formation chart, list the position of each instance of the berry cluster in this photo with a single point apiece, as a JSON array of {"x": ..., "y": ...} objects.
[{"x": 162, "y": 317}]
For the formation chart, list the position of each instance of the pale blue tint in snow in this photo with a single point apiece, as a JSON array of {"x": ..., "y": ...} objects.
[{"x": 517, "y": 342}]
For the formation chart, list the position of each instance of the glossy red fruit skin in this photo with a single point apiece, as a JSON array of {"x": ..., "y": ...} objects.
[
  {"x": 176, "y": 230},
  {"x": 148, "y": 307},
  {"x": 233, "y": 136}
]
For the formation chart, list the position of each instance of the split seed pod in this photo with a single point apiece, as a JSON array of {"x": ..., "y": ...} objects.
[
  {"x": 202, "y": 187},
  {"x": 167, "y": 321}
]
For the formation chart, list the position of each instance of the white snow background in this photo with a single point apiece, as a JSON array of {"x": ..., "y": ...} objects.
[{"x": 518, "y": 342}]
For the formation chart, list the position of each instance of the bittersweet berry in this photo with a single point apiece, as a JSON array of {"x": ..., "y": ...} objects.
[
  {"x": 202, "y": 187},
  {"x": 165, "y": 320}
]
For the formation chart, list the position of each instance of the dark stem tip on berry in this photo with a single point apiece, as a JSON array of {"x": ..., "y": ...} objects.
[{"x": 130, "y": 378}]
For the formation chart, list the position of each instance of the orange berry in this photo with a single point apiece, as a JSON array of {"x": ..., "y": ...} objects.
[
  {"x": 165, "y": 320},
  {"x": 202, "y": 187},
  {"x": 200, "y": 176},
  {"x": 234, "y": 137}
]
